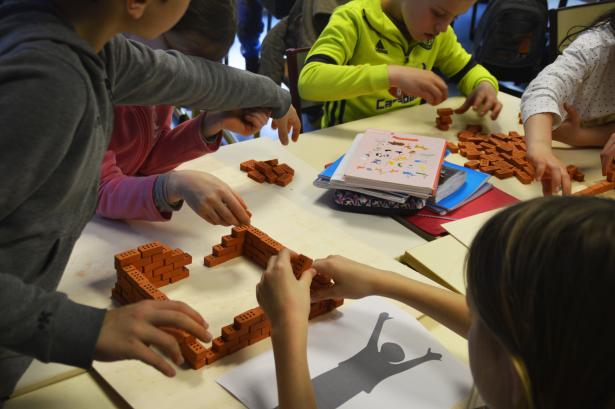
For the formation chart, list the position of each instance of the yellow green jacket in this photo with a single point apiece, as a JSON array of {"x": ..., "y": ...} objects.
[{"x": 347, "y": 66}]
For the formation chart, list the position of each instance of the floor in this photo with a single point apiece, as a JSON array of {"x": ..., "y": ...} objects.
[{"x": 461, "y": 26}]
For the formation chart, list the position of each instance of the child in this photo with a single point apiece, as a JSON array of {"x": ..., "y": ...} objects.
[
  {"x": 573, "y": 96},
  {"x": 375, "y": 56},
  {"x": 537, "y": 313},
  {"x": 136, "y": 177},
  {"x": 62, "y": 68}
]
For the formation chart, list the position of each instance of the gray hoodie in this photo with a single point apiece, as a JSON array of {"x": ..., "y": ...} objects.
[{"x": 56, "y": 118}]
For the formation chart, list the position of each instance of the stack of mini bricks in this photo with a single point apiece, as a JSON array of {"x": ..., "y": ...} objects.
[
  {"x": 155, "y": 263},
  {"x": 141, "y": 271},
  {"x": 444, "y": 118},
  {"x": 270, "y": 171},
  {"x": 501, "y": 155},
  {"x": 252, "y": 326},
  {"x": 600, "y": 187}
]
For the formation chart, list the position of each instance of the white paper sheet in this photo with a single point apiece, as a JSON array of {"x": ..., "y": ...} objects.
[{"x": 343, "y": 338}]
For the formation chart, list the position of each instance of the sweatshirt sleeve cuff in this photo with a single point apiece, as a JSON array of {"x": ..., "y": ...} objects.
[
  {"x": 75, "y": 333},
  {"x": 160, "y": 197},
  {"x": 379, "y": 77}
]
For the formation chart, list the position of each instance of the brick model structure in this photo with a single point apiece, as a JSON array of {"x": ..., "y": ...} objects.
[
  {"x": 141, "y": 271},
  {"x": 269, "y": 171},
  {"x": 600, "y": 187},
  {"x": 444, "y": 118},
  {"x": 253, "y": 326}
]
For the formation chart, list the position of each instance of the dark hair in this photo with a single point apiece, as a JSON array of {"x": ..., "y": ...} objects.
[
  {"x": 212, "y": 20},
  {"x": 607, "y": 18},
  {"x": 541, "y": 277}
]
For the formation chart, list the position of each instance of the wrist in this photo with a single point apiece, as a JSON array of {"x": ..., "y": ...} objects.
[
  {"x": 393, "y": 74},
  {"x": 211, "y": 124},
  {"x": 289, "y": 323},
  {"x": 173, "y": 187}
]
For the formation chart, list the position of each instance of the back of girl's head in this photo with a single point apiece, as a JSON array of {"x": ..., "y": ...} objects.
[
  {"x": 210, "y": 26},
  {"x": 541, "y": 277}
]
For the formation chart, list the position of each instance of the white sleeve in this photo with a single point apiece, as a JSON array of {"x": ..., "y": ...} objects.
[{"x": 559, "y": 82}]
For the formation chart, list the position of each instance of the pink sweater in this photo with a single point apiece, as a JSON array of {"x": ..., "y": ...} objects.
[{"x": 142, "y": 146}]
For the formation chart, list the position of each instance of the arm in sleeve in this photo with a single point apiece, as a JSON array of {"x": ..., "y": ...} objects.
[
  {"x": 326, "y": 77},
  {"x": 176, "y": 146},
  {"x": 36, "y": 138},
  {"x": 142, "y": 76},
  {"x": 458, "y": 65},
  {"x": 558, "y": 82},
  {"x": 126, "y": 197}
]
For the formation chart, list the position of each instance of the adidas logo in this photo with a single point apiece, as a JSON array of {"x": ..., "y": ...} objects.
[{"x": 380, "y": 48}]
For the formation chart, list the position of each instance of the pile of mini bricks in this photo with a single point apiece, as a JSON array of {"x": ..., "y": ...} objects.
[
  {"x": 499, "y": 154},
  {"x": 138, "y": 277},
  {"x": 269, "y": 171}
]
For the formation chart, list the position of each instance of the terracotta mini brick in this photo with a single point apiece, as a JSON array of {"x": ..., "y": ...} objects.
[
  {"x": 452, "y": 147},
  {"x": 262, "y": 167},
  {"x": 271, "y": 177},
  {"x": 578, "y": 176},
  {"x": 443, "y": 127},
  {"x": 444, "y": 120},
  {"x": 152, "y": 266},
  {"x": 445, "y": 111},
  {"x": 219, "y": 250},
  {"x": 610, "y": 176},
  {"x": 504, "y": 173},
  {"x": 212, "y": 356},
  {"x": 239, "y": 231},
  {"x": 284, "y": 180},
  {"x": 287, "y": 168},
  {"x": 248, "y": 318},
  {"x": 126, "y": 258},
  {"x": 150, "y": 249},
  {"x": 248, "y": 165},
  {"x": 229, "y": 333},
  {"x": 218, "y": 345},
  {"x": 256, "y": 175},
  {"x": 272, "y": 162},
  {"x": 473, "y": 164},
  {"x": 278, "y": 170}
]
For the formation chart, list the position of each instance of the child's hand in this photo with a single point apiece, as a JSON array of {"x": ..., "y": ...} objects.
[
  {"x": 245, "y": 121},
  {"x": 208, "y": 196},
  {"x": 608, "y": 155},
  {"x": 285, "y": 299},
  {"x": 484, "y": 98},
  {"x": 549, "y": 170},
  {"x": 286, "y": 123},
  {"x": 242, "y": 121},
  {"x": 352, "y": 279},
  {"x": 419, "y": 83},
  {"x": 127, "y": 333}
]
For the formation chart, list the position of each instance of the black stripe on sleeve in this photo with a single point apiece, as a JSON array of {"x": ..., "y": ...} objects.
[
  {"x": 457, "y": 77},
  {"x": 320, "y": 58}
]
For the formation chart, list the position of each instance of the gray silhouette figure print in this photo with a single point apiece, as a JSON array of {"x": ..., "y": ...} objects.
[{"x": 366, "y": 369}]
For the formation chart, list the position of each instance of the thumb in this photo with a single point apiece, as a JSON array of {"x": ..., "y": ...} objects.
[
  {"x": 307, "y": 276},
  {"x": 464, "y": 107},
  {"x": 274, "y": 124}
]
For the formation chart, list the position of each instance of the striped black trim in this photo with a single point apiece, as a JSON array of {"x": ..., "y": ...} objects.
[
  {"x": 340, "y": 117},
  {"x": 457, "y": 77},
  {"x": 320, "y": 58},
  {"x": 332, "y": 114}
]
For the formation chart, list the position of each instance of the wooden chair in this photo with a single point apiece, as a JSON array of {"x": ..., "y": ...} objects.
[{"x": 295, "y": 60}]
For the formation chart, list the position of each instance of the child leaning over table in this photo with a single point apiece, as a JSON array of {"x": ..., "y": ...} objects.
[
  {"x": 537, "y": 315},
  {"x": 571, "y": 101},
  {"x": 63, "y": 65},
  {"x": 137, "y": 177},
  {"x": 375, "y": 56}
]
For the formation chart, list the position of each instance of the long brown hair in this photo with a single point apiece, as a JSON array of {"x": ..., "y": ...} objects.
[{"x": 541, "y": 276}]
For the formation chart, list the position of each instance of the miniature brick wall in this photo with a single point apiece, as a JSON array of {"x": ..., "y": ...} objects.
[
  {"x": 141, "y": 271},
  {"x": 253, "y": 326}
]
